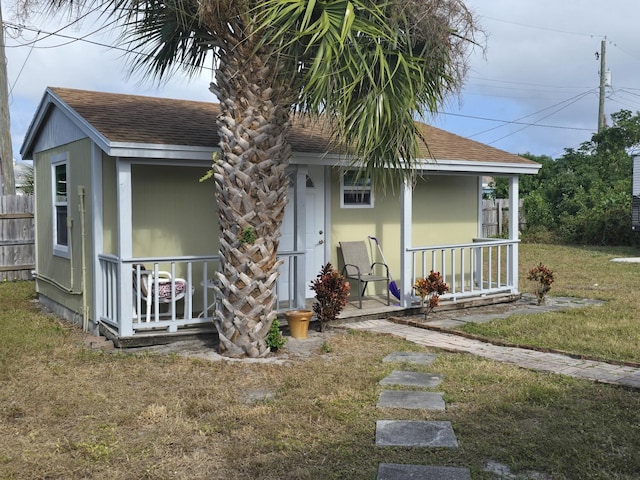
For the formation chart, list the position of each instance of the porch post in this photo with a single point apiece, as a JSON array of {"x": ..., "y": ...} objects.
[
  {"x": 125, "y": 247},
  {"x": 480, "y": 208},
  {"x": 300, "y": 228},
  {"x": 96, "y": 228},
  {"x": 514, "y": 226},
  {"x": 406, "y": 215}
]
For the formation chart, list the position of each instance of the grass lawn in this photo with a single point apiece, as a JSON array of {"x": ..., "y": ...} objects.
[
  {"x": 610, "y": 331},
  {"x": 69, "y": 412}
]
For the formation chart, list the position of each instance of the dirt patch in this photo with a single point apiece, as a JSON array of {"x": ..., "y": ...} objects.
[{"x": 207, "y": 348}]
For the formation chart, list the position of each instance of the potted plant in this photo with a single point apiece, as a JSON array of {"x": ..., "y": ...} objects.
[
  {"x": 332, "y": 294},
  {"x": 430, "y": 287},
  {"x": 298, "y": 321}
]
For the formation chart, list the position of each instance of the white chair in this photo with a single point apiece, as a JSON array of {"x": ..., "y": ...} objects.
[{"x": 155, "y": 287}]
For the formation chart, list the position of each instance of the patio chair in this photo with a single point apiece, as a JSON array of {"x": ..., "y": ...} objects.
[
  {"x": 357, "y": 266},
  {"x": 147, "y": 286}
]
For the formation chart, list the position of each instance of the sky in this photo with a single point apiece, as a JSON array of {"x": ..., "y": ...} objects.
[{"x": 534, "y": 88}]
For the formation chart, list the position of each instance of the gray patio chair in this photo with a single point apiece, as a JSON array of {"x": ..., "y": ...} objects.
[{"x": 357, "y": 266}]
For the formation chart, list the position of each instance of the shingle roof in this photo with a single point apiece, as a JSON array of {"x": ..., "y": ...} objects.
[{"x": 134, "y": 119}]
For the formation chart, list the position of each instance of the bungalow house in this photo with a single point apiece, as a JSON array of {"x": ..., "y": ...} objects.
[{"x": 117, "y": 181}]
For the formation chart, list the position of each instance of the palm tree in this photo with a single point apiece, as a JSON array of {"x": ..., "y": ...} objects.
[{"x": 369, "y": 67}]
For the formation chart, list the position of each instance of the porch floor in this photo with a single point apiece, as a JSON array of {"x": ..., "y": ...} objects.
[{"x": 373, "y": 307}]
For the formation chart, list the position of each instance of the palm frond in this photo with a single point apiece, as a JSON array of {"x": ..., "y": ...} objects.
[{"x": 373, "y": 68}]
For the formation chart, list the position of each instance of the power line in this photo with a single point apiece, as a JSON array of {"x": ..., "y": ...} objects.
[
  {"x": 22, "y": 68},
  {"x": 76, "y": 39},
  {"x": 535, "y": 124},
  {"x": 545, "y": 28},
  {"x": 511, "y": 122},
  {"x": 527, "y": 84},
  {"x": 514, "y": 122}
]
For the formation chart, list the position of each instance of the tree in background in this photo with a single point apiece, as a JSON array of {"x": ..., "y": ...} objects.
[
  {"x": 584, "y": 197},
  {"x": 369, "y": 67}
]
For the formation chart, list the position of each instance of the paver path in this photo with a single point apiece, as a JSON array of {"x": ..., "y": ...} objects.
[{"x": 531, "y": 359}]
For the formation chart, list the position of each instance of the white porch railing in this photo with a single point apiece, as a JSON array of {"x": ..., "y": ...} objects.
[
  {"x": 482, "y": 267},
  {"x": 121, "y": 303}
]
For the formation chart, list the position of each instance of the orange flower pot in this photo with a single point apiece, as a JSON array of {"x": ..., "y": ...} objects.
[{"x": 298, "y": 321}]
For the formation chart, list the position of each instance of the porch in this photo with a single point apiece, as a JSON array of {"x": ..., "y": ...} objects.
[{"x": 480, "y": 272}]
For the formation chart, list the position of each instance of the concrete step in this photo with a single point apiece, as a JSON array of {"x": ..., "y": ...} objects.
[
  {"x": 415, "y": 433},
  {"x": 417, "y": 358},
  {"x": 411, "y": 400},
  {"x": 395, "y": 471},
  {"x": 412, "y": 379}
]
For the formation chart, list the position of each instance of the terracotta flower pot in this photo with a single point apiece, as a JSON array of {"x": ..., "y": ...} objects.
[{"x": 298, "y": 321}]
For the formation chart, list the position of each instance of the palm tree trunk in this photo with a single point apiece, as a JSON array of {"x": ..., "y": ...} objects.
[{"x": 251, "y": 193}]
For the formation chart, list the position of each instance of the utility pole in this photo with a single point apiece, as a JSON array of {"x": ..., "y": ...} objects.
[
  {"x": 8, "y": 184},
  {"x": 603, "y": 81}
]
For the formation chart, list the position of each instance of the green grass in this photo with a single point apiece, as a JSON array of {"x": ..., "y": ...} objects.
[
  {"x": 67, "y": 412},
  {"x": 610, "y": 331}
]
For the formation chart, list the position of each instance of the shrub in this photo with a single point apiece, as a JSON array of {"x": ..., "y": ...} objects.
[
  {"x": 430, "y": 287},
  {"x": 543, "y": 277},
  {"x": 274, "y": 339},
  {"x": 332, "y": 294}
]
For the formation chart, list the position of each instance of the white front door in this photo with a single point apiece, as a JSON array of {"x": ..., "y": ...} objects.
[
  {"x": 314, "y": 233},
  {"x": 315, "y": 227}
]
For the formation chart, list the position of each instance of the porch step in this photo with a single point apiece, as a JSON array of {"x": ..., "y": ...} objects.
[{"x": 160, "y": 337}]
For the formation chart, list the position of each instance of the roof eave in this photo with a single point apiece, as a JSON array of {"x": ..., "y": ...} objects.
[
  {"x": 170, "y": 152},
  {"x": 50, "y": 99},
  {"x": 484, "y": 168}
]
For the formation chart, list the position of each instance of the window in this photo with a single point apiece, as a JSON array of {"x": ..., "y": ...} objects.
[
  {"x": 355, "y": 191},
  {"x": 60, "y": 207}
]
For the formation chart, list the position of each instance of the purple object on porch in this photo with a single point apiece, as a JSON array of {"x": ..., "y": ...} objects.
[{"x": 393, "y": 286}]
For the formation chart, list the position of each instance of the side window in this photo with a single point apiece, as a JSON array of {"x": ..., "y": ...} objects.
[
  {"x": 59, "y": 170},
  {"x": 355, "y": 191}
]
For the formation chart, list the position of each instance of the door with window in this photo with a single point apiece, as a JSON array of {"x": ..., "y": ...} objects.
[
  {"x": 314, "y": 234},
  {"x": 315, "y": 225}
]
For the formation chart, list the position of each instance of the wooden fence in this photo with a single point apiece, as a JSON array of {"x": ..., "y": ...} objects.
[
  {"x": 495, "y": 218},
  {"x": 17, "y": 237}
]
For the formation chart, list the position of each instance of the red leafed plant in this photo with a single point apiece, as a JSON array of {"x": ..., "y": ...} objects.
[
  {"x": 430, "y": 288},
  {"x": 543, "y": 276},
  {"x": 332, "y": 294}
]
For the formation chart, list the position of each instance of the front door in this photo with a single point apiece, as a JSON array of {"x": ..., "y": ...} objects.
[
  {"x": 313, "y": 234},
  {"x": 315, "y": 228}
]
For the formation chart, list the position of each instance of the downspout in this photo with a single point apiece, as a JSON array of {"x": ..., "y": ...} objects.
[
  {"x": 70, "y": 238},
  {"x": 83, "y": 236}
]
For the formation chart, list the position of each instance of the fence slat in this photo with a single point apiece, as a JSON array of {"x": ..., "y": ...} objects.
[
  {"x": 495, "y": 217},
  {"x": 17, "y": 237}
]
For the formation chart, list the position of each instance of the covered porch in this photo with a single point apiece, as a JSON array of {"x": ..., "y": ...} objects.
[{"x": 479, "y": 272}]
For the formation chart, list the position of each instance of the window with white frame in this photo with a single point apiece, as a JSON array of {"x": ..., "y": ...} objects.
[
  {"x": 59, "y": 173},
  {"x": 355, "y": 190}
]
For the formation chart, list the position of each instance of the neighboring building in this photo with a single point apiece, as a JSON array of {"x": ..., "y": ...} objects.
[{"x": 117, "y": 184}]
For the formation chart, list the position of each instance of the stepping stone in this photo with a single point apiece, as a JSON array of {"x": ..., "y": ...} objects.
[
  {"x": 415, "y": 433},
  {"x": 412, "y": 400},
  {"x": 395, "y": 471},
  {"x": 412, "y": 379},
  {"x": 410, "y": 357}
]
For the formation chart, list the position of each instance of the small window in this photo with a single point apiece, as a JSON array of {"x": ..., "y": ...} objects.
[
  {"x": 60, "y": 208},
  {"x": 355, "y": 190}
]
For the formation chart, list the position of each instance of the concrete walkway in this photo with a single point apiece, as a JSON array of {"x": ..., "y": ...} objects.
[{"x": 530, "y": 359}]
